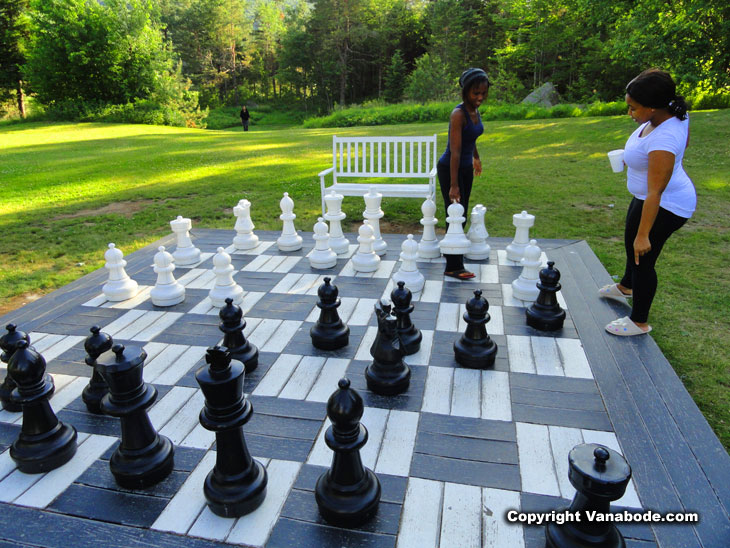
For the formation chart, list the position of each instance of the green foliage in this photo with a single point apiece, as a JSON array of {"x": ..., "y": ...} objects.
[
  {"x": 261, "y": 115},
  {"x": 430, "y": 80},
  {"x": 395, "y": 78},
  {"x": 14, "y": 31}
]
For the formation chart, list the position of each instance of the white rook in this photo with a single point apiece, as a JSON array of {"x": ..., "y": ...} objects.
[
  {"x": 186, "y": 253},
  {"x": 335, "y": 216},
  {"x": 167, "y": 290},
  {"x": 428, "y": 247},
  {"x": 245, "y": 238},
  {"x": 289, "y": 239},
  {"x": 120, "y": 286},
  {"x": 522, "y": 221}
]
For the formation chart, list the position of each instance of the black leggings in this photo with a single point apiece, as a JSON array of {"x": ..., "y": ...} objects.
[
  {"x": 641, "y": 278},
  {"x": 466, "y": 178}
]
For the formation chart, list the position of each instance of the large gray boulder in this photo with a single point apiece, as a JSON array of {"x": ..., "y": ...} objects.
[{"x": 545, "y": 96}]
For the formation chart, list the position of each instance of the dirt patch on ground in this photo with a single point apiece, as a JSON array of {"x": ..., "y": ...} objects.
[
  {"x": 13, "y": 303},
  {"x": 127, "y": 209}
]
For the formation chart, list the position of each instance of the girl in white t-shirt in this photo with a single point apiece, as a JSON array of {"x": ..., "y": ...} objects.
[{"x": 664, "y": 195}]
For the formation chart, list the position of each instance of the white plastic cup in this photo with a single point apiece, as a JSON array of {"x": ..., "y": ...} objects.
[{"x": 616, "y": 158}]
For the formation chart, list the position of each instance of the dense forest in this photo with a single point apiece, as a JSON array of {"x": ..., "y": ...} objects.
[{"x": 316, "y": 55}]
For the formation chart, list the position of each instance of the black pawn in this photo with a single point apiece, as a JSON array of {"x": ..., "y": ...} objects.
[
  {"x": 348, "y": 493},
  {"x": 95, "y": 345},
  {"x": 143, "y": 457},
  {"x": 44, "y": 443},
  {"x": 387, "y": 375},
  {"x": 545, "y": 313},
  {"x": 475, "y": 348},
  {"x": 237, "y": 483},
  {"x": 8, "y": 343},
  {"x": 600, "y": 476},
  {"x": 329, "y": 333},
  {"x": 410, "y": 337},
  {"x": 232, "y": 324}
]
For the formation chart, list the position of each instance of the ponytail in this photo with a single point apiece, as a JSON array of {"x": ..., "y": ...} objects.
[{"x": 678, "y": 107}]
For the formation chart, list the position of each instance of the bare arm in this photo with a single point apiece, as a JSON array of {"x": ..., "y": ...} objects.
[
  {"x": 456, "y": 123},
  {"x": 477, "y": 162},
  {"x": 661, "y": 165}
]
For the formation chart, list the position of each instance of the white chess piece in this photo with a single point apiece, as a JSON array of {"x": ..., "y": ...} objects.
[
  {"x": 525, "y": 288},
  {"x": 335, "y": 216},
  {"x": 373, "y": 214},
  {"x": 167, "y": 290},
  {"x": 455, "y": 241},
  {"x": 365, "y": 260},
  {"x": 479, "y": 248},
  {"x": 408, "y": 271},
  {"x": 289, "y": 239},
  {"x": 522, "y": 221},
  {"x": 428, "y": 247},
  {"x": 225, "y": 286},
  {"x": 120, "y": 286},
  {"x": 185, "y": 253},
  {"x": 322, "y": 256},
  {"x": 245, "y": 238}
]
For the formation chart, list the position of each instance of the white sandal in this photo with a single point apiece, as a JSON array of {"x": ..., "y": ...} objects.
[
  {"x": 624, "y": 327},
  {"x": 611, "y": 291}
]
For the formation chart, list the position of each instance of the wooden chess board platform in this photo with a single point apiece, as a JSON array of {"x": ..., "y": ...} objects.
[{"x": 453, "y": 454}]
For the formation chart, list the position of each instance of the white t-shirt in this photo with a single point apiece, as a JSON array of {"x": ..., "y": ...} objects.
[{"x": 679, "y": 196}]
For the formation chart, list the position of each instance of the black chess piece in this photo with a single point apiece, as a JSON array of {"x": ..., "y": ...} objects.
[
  {"x": 232, "y": 324},
  {"x": 329, "y": 333},
  {"x": 95, "y": 345},
  {"x": 348, "y": 493},
  {"x": 387, "y": 375},
  {"x": 44, "y": 442},
  {"x": 143, "y": 457},
  {"x": 8, "y": 344},
  {"x": 545, "y": 313},
  {"x": 237, "y": 483},
  {"x": 600, "y": 476},
  {"x": 410, "y": 336},
  {"x": 475, "y": 348}
]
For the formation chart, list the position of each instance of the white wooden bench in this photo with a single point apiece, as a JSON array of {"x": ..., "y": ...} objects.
[{"x": 382, "y": 157}]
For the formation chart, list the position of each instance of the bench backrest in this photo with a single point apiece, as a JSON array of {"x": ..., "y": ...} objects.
[{"x": 383, "y": 156}]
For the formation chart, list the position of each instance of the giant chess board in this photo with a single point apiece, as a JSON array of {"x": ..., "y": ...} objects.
[{"x": 453, "y": 453}]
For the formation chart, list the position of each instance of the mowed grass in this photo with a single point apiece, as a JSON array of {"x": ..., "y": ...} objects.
[{"x": 67, "y": 190}]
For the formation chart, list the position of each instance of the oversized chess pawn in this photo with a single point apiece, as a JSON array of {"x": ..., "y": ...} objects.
[
  {"x": 428, "y": 247},
  {"x": 237, "y": 484},
  {"x": 347, "y": 494},
  {"x": 525, "y": 288},
  {"x": 455, "y": 241},
  {"x": 289, "y": 239},
  {"x": 410, "y": 337},
  {"x": 322, "y": 256},
  {"x": 185, "y": 253},
  {"x": 245, "y": 238},
  {"x": 225, "y": 286},
  {"x": 408, "y": 271},
  {"x": 167, "y": 291},
  {"x": 329, "y": 333},
  {"x": 478, "y": 247},
  {"x": 388, "y": 375},
  {"x": 120, "y": 287},
  {"x": 522, "y": 222},
  {"x": 475, "y": 349},
  {"x": 95, "y": 345},
  {"x": 8, "y": 344},
  {"x": 232, "y": 325},
  {"x": 545, "y": 313},
  {"x": 373, "y": 214},
  {"x": 44, "y": 443},
  {"x": 143, "y": 457},
  {"x": 600, "y": 476},
  {"x": 365, "y": 260},
  {"x": 334, "y": 217}
]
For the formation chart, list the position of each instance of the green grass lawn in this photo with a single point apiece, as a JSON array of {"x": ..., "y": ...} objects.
[{"x": 67, "y": 190}]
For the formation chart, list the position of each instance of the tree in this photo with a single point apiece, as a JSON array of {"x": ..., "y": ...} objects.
[
  {"x": 430, "y": 80},
  {"x": 395, "y": 78},
  {"x": 14, "y": 31}
]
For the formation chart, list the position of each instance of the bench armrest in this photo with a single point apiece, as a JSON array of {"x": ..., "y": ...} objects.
[{"x": 326, "y": 172}]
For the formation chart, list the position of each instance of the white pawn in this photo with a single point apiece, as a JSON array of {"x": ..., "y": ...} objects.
[
  {"x": 322, "y": 256},
  {"x": 455, "y": 241},
  {"x": 525, "y": 288},
  {"x": 428, "y": 247},
  {"x": 167, "y": 290},
  {"x": 478, "y": 248},
  {"x": 408, "y": 271},
  {"x": 185, "y": 253},
  {"x": 522, "y": 221},
  {"x": 224, "y": 286},
  {"x": 245, "y": 238},
  {"x": 335, "y": 216},
  {"x": 120, "y": 286},
  {"x": 365, "y": 260},
  {"x": 373, "y": 214},
  {"x": 289, "y": 239}
]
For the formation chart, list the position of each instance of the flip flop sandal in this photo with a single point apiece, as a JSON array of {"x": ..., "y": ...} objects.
[
  {"x": 460, "y": 274},
  {"x": 611, "y": 291},
  {"x": 624, "y": 327}
]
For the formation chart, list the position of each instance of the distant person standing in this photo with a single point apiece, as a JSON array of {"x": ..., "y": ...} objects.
[{"x": 244, "y": 117}]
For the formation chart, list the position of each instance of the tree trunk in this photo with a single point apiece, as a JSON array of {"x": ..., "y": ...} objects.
[{"x": 21, "y": 98}]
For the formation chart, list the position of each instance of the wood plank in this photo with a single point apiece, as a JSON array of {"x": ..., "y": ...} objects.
[
  {"x": 461, "y": 516},
  {"x": 277, "y": 375},
  {"x": 537, "y": 468},
  {"x": 562, "y": 441},
  {"x": 263, "y": 332},
  {"x": 286, "y": 283},
  {"x": 519, "y": 348},
  {"x": 497, "y": 533},
  {"x": 185, "y": 420},
  {"x": 363, "y": 312},
  {"x": 374, "y": 419},
  {"x": 423, "y": 356},
  {"x": 363, "y": 351},
  {"x": 303, "y": 377},
  {"x": 397, "y": 448},
  {"x": 465, "y": 395},
  {"x": 575, "y": 362},
  {"x": 165, "y": 320},
  {"x": 431, "y": 291},
  {"x": 281, "y": 337},
  {"x": 448, "y": 317},
  {"x": 333, "y": 370},
  {"x": 495, "y": 397},
  {"x": 163, "y": 360},
  {"x": 437, "y": 394},
  {"x": 421, "y": 517},
  {"x": 547, "y": 361},
  {"x": 171, "y": 402},
  {"x": 179, "y": 367}
]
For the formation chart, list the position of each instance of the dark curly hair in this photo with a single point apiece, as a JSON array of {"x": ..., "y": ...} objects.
[
  {"x": 472, "y": 77},
  {"x": 655, "y": 88}
]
